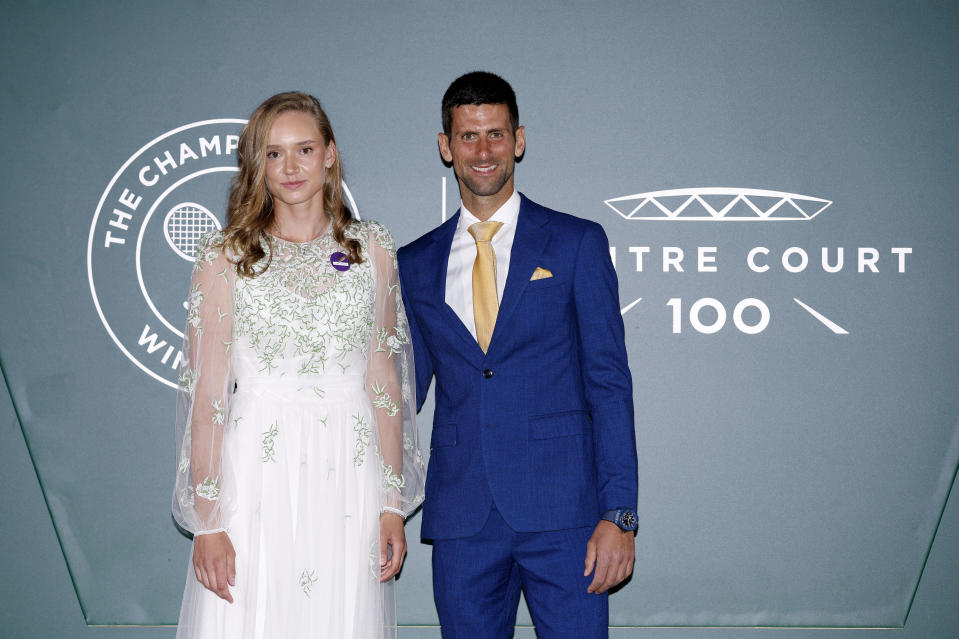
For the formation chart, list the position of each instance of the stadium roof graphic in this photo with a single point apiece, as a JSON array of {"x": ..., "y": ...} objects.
[{"x": 718, "y": 204}]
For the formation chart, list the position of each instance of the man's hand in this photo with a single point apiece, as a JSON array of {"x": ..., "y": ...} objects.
[
  {"x": 214, "y": 561},
  {"x": 391, "y": 535},
  {"x": 611, "y": 552}
]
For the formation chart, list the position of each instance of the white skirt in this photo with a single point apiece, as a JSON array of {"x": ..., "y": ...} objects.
[{"x": 306, "y": 525}]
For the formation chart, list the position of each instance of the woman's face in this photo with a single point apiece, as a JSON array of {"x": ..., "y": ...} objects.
[{"x": 296, "y": 160}]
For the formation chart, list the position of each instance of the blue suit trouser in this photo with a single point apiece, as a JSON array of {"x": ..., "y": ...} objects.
[{"x": 477, "y": 582}]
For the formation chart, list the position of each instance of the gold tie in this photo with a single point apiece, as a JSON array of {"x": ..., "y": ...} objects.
[{"x": 485, "y": 300}]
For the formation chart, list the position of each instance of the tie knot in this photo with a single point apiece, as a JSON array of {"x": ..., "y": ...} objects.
[{"x": 484, "y": 231}]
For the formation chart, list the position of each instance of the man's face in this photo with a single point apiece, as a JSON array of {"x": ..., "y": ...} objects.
[{"x": 482, "y": 148}]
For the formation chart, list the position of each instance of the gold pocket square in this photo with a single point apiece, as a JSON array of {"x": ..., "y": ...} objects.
[{"x": 540, "y": 274}]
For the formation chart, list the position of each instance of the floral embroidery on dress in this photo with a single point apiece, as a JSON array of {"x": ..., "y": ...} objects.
[
  {"x": 307, "y": 579},
  {"x": 297, "y": 293},
  {"x": 390, "y": 479},
  {"x": 209, "y": 489},
  {"x": 185, "y": 497},
  {"x": 412, "y": 450},
  {"x": 219, "y": 414},
  {"x": 208, "y": 248},
  {"x": 269, "y": 448},
  {"x": 390, "y": 342},
  {"x": 188, "y": 380},
  {"x": 193, "y": 305},
  {"x": 364, "y": 435},
  {"x": 383, "y": 238},
  {"x": 382, "y": 399}
]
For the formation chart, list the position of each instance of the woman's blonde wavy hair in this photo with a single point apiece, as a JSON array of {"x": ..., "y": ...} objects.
[{"x": 250, "y": 210}]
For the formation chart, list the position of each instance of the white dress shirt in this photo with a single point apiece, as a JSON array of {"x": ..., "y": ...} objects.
[{"x": 459, "y": 269}]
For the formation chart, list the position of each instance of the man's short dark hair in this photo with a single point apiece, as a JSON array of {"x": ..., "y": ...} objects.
[{"x": 479, "y": 87}]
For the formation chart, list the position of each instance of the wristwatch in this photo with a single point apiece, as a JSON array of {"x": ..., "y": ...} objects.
[{"x": 625, "y": 518}]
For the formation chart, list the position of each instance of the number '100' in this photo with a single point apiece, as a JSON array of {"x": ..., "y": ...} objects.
[{"x": 697, "y": 323}]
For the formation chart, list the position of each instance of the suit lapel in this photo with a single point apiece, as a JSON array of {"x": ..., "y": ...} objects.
[
  {"x": 443, "y": 242},
  {"x": 528, "y": 245}
]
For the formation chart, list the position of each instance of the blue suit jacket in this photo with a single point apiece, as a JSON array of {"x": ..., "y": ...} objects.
[{"x": 542, "y": 424}]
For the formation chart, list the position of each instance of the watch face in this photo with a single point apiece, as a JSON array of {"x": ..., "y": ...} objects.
[{"x": 629, "y": 520}]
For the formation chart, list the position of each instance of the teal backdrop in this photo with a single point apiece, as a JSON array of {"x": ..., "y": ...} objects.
[{"x": 778, "y": 181}]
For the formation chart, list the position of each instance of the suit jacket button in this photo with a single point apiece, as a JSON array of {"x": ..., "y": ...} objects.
[{"x": 487, "y": 373}]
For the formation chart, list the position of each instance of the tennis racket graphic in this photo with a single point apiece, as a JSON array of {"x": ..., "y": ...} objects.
[{"x": 185, "y": 224}]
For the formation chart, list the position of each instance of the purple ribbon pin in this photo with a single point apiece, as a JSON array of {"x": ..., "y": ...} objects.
[{"x": 340, "y": 262}]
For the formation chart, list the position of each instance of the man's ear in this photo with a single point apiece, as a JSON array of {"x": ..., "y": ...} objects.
[
  {"x": 444, "y": 143},
  {"x": 520, "y": 136}
]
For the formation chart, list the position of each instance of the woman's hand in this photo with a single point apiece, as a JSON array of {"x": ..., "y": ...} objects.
[
  {"x": 214, "y": 561},
  {"x": 391, "y": 535}
]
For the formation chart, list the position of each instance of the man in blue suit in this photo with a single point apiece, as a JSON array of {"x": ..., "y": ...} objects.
[{"x": 514, "y": 309}]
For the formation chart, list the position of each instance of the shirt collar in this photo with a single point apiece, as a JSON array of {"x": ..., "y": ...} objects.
[{"x": 506, "y": 214}]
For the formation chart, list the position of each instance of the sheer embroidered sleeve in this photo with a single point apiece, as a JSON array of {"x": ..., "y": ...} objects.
[
  {"x": 390, "y": 383},
  {"x": 203, "y": 496}
]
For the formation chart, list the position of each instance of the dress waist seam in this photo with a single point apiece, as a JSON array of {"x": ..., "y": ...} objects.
[{"x": 339, "y": 382}]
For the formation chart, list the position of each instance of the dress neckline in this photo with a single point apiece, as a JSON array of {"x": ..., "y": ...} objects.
[{"x": 280, "y": 240}]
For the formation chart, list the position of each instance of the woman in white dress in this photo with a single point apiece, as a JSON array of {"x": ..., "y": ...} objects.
[{"x": 297, "y": 453}]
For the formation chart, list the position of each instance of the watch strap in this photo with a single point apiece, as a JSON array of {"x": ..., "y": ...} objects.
[{"x": 625, "y": 518}]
